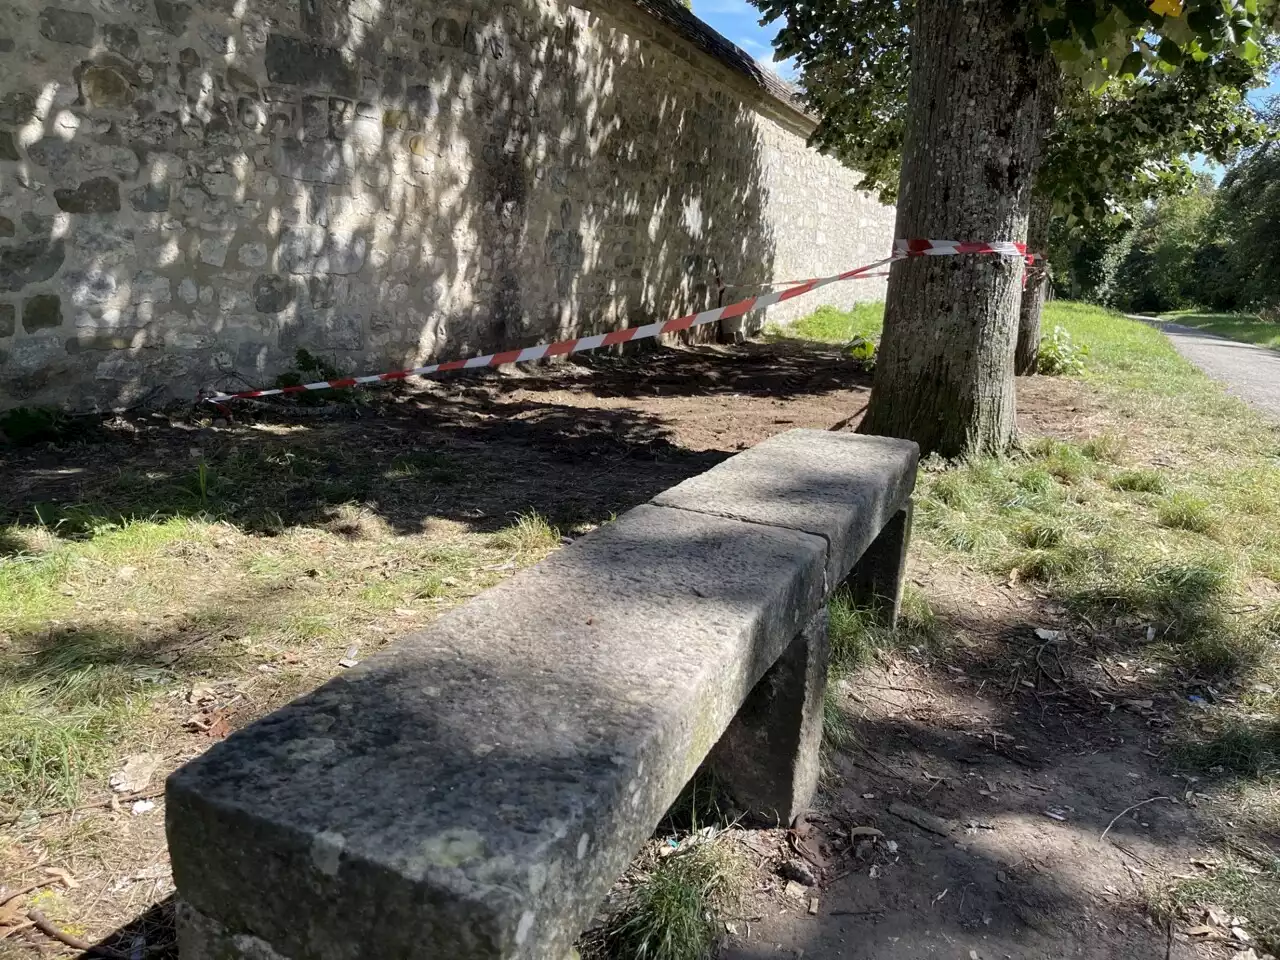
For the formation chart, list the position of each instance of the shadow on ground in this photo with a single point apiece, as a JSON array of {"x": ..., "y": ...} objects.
[
  {"x": 148, "y": 936},
  {"x": 575, "y": 443},
  {"x": 1028, "y": 750}
]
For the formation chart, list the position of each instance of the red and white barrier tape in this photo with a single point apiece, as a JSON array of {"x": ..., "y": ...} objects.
[
  {"x": 902, "y": 249},
  {"x": 949, "y": 248}
]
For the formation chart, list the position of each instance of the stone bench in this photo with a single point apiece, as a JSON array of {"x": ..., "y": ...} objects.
[{"x": 474, "y": 790}]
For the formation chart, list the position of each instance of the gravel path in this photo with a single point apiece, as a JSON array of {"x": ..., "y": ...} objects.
[{"x": 1250, "y": 372}]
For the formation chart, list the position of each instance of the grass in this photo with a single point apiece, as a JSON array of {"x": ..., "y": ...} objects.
[
  {"x": 1235, "y": 747},
  {"x": 857, "y": 637},
  {"x": 1245, "y": 327},
  {"x": 1077, "y": 516},
  {"x": 837, "y": 326},
  {"x": 1187, "y": 511},
  {"x": 57, "y": 728},
  {"x": 1161, "y": 520},
  {"x": 1239, "y": 887},
  {"x": 1139, "y": 481},
  {"x": 1158, "y": 530},
  {"x": 529, "y": 534},
  {"x": 108, "y": 606},
  {"x": 257, "y": 564},
  {"x": 673, "y": 913}
]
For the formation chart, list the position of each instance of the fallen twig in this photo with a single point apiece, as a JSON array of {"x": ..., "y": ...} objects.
[
  {"x": 1104, "y": 669},
  {"x": 878, "y": 760},
  {"x": 109, "y": 801},
  {"x": 885, "y": 686},
  {"x": 6, "y": 897},
  {"x": 49, "y": 930},
  {"x": 41, "y": 923},
  {"x": 920, "y": 818},
  {"x": 1140, "y": 803},
  {"x": 1261, "y": 859},
  {"x": 1128, "y": 851},
  {"x": 1041, "y": 667},
  {"x": 7, "y": 932}
]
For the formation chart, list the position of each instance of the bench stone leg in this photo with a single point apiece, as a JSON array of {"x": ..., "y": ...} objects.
[
  {"x": 876, "y": 581},
  {"x": 768, "y": 758},
  {"x": 203, "y": 938}
]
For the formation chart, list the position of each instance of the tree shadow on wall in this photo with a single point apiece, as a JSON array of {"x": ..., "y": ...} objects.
[{"x": 377, "y": 182}]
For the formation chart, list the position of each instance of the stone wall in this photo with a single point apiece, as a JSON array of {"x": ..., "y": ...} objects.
[{"x": 191, "y": 192}]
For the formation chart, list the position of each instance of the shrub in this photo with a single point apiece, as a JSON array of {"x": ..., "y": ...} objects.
[
  {"x": 862, "y": 351},
  {"x": 308, "y": 368},
  {"x": 27, "y": 426},
  {"x": 1060, "y": 355}
]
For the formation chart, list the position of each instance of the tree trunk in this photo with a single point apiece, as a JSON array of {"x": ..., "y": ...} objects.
[
  {"x": 1033, "y": 294},
  {"x": 944, "y": 372},
  {"x": 1027, "y": 352}
]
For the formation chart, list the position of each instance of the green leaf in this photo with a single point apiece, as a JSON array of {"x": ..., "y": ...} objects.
[
  {"x": 1177, "y": 30},
  {"x": 1084, "y": 17},
  {"x": 1205, "y": 20},
  {"x": 1067, "y": 51},
  {"x": 1250, "y": 51},
  {"x": 1135, "y": 10},
  {"x": 1169, "y": 52},
  {"x": 1132, "y": 65},
  {"x": 1057, "y": 28}
]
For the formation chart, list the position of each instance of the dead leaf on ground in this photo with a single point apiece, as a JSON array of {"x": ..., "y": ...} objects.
[
  {"x": 219, "y": 729},
  {"x": 212, "y": 725},
  {"x": 136, "y": 774},
  {"x": 13, "y": 912},
  {"x": 796, "y": 891},
  {"x": 65, "y": 876}
]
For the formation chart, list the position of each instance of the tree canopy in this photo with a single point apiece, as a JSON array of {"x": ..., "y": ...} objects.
[
  {"x": 1215, "y": 247},
  {"x": 977, "y": 105},
  {"x": 1149, "y": 89}
]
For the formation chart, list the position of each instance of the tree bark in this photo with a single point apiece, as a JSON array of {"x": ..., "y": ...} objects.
[
  {"x": 1033, "y": 294},
  {"x": 944, "y": 372},
  {"x": 1027, "y": 353}
]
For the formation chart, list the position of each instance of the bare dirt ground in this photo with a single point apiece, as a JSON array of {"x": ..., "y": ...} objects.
[
  {"x": 1020, "y": 766},
  {"x": 1018, "y": 785}
]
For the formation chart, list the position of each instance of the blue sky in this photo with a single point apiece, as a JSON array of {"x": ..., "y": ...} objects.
[
  {"x": 1258, "y": 98},
  {"x": 738, "y": 21}
]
